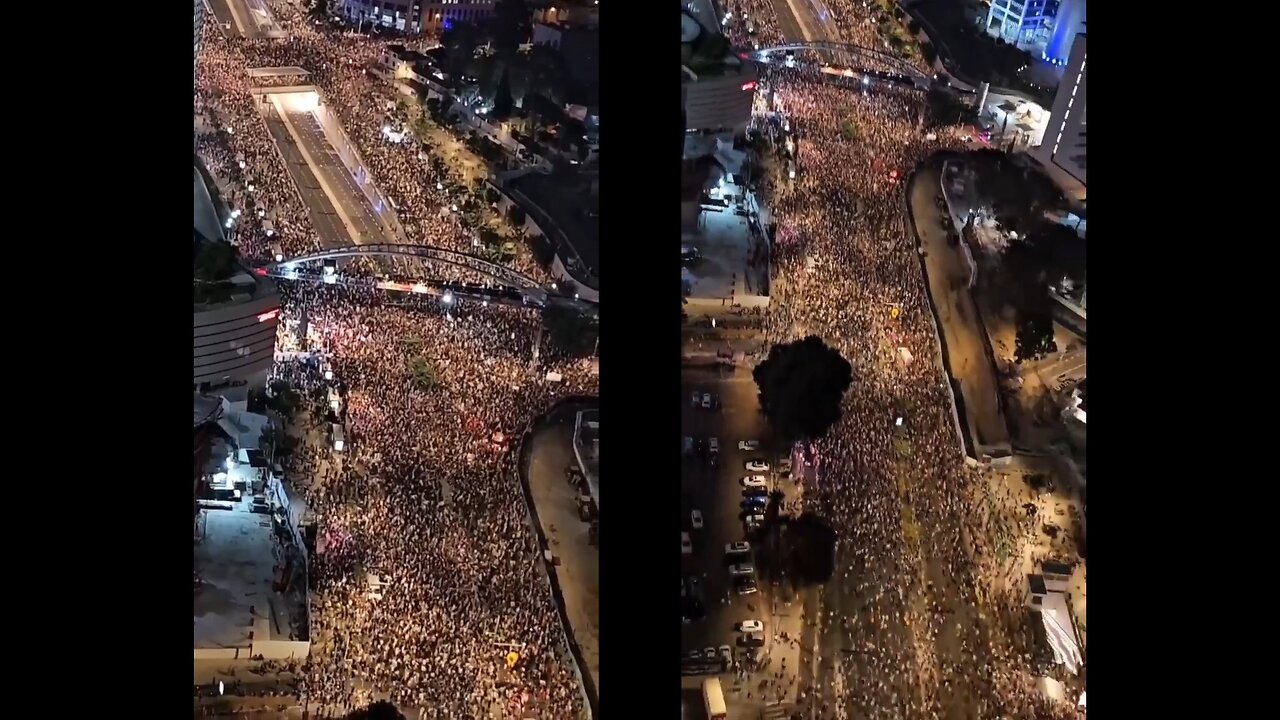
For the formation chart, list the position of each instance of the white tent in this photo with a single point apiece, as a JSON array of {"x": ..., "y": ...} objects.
[{"x": 1060, "y": 631}]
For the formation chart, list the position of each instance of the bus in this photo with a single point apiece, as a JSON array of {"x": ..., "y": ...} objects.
[{"x": 713, "y": 698}]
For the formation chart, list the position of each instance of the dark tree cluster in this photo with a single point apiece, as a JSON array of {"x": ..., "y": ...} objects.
[
  {"x": 801, "y": 384},
  {"x": 572, "y": 330}
]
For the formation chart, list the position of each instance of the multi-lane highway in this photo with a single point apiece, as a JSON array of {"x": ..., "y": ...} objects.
[
  {"x": 358, "y": 214},
  {"x": 324, "y": 217}
]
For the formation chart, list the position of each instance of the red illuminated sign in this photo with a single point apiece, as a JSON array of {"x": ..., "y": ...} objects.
[
  {"x": 746, "y": 87},
  {"x": 269, "y": 315}
]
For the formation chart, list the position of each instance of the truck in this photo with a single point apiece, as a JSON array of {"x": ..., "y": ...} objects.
[{"x": 713, "y": 698}]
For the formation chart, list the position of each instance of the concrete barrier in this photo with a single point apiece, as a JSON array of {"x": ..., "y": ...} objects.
[
  {"x": 969, "y": 262},
  {"x": 220, "y": 653},
  {"x": 1001, "y": 449},
  {"x": 940, "y": 342},
  {"x": 281, "y": 649},
  {"x": 591, "y": 693},
  {"x": 352, "y": 161}
]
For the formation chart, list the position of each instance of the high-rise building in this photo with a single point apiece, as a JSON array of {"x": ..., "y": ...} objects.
[
  {"x": 1044, "y": 28},
  {"x": 717, "y": 86},
  {"x": 234, "y": 313},
  {"x": 1022, "y": 22},
  {"x": 415, "y": 16},
  {"x": 1064, "y": 137},
  {"x": 1067, "y": 24}
]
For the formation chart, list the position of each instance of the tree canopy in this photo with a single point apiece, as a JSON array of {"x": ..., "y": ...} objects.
[
  {"x": 512, "y": 24},
  {"x": 503, "y": 103},
  {"x": 1018, "y": 194},
  {"x": 1034, "y": 338},
  {"x": 800, "y": 386},
  {"x": 380, "y": 710},
  {"x": 571, "y": 330},
  {"x": 423, "y": 372}
]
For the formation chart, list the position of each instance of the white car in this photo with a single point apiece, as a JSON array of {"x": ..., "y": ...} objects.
[
  {"x": 748, "y": 626},
  {"x": 714, "y": 444},
  {"x": 754, "y": 481},
  {"x": 743, "y": 569},
  {"x": 737, "y": 548},
  {"x": 696, "y": 518},
  {"x": 686, "y": 545},
  {"x": 757, "y": 466},
  {"x": 706, "y": 400},
  {"x": 748, "y": 444}
]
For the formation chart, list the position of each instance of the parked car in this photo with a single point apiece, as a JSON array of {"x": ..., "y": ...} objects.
[
  {"x": 742, "y": 569},
  {"x": 745, "y": 586},
  {"x": 695, "y": 398},
  {"x": 737, "y": 548},
  {"x": 695, "y": 517},
  {"x": 686, "y": 545},
  {"x": 714, "y": 443},
  {"x": 726, "y": 654},
  {"x": 706, "y": 401},
  {"x": 757, "y": 466},
  {"x": 755, "y": 492},
  {"x": 750, "y": 626},
  {"x": 753, "y": 639},
  {"x": 749, "y": 445},
  {"x": 754, "y": 481}
]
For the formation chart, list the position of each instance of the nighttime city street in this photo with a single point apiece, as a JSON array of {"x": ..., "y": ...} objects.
[
  {"x": 393, "y": 406},
  {"x": 957, "y": 586}
]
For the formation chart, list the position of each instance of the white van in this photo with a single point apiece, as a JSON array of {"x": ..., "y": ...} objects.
[{"x": 338, "y": 437}]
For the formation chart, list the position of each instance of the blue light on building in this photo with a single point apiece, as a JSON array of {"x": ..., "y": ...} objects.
[{"x": 1070, "y": 21}]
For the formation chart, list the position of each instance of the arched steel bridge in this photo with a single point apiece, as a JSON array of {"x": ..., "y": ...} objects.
[
  {"x": 510, "y": 286},
  {"x": 896, "y": 63},
  {"x": 501, "y": 273}
]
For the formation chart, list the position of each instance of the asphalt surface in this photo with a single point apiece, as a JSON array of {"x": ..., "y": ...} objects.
[
  {"x": 339, "y": 181},
  {"x": 948, "y": 277},
  {"x": 324, "y": 218},
  {"x": 255, "y": 20},
  {"x": 551, "y": 450},
  {"x": 717, "y": 493}
]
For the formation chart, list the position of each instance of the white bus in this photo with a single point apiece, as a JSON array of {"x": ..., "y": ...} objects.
[{"x": 713, "y": 698}]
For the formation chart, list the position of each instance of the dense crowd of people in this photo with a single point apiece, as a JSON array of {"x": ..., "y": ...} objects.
[
  {"x": 424, "y": 194},
  {"x": 754, "y": 24},
  {"x": 425, "y": 495},
  {"x": 929, "y": 630},
  {"x": 427, "y": 499}
]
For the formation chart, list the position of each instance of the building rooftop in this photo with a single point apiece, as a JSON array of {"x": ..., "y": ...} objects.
[
  {"x": 730, "y": 248},
  {"x": 236, "y": 571}
]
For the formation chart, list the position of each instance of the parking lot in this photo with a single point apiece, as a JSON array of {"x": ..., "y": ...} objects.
[{"x": 714, "y": 489}]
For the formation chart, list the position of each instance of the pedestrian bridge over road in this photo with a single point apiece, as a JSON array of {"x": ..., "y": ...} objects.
[
  {"x": 508, "y": 285},
  {"x": 895, "y": 63},
  {"x": 259, "y": 91},
  {"x": 284, "y": 71}
]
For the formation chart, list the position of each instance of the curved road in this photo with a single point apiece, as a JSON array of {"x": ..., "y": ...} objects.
[{"x": 948, "y": 277}]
